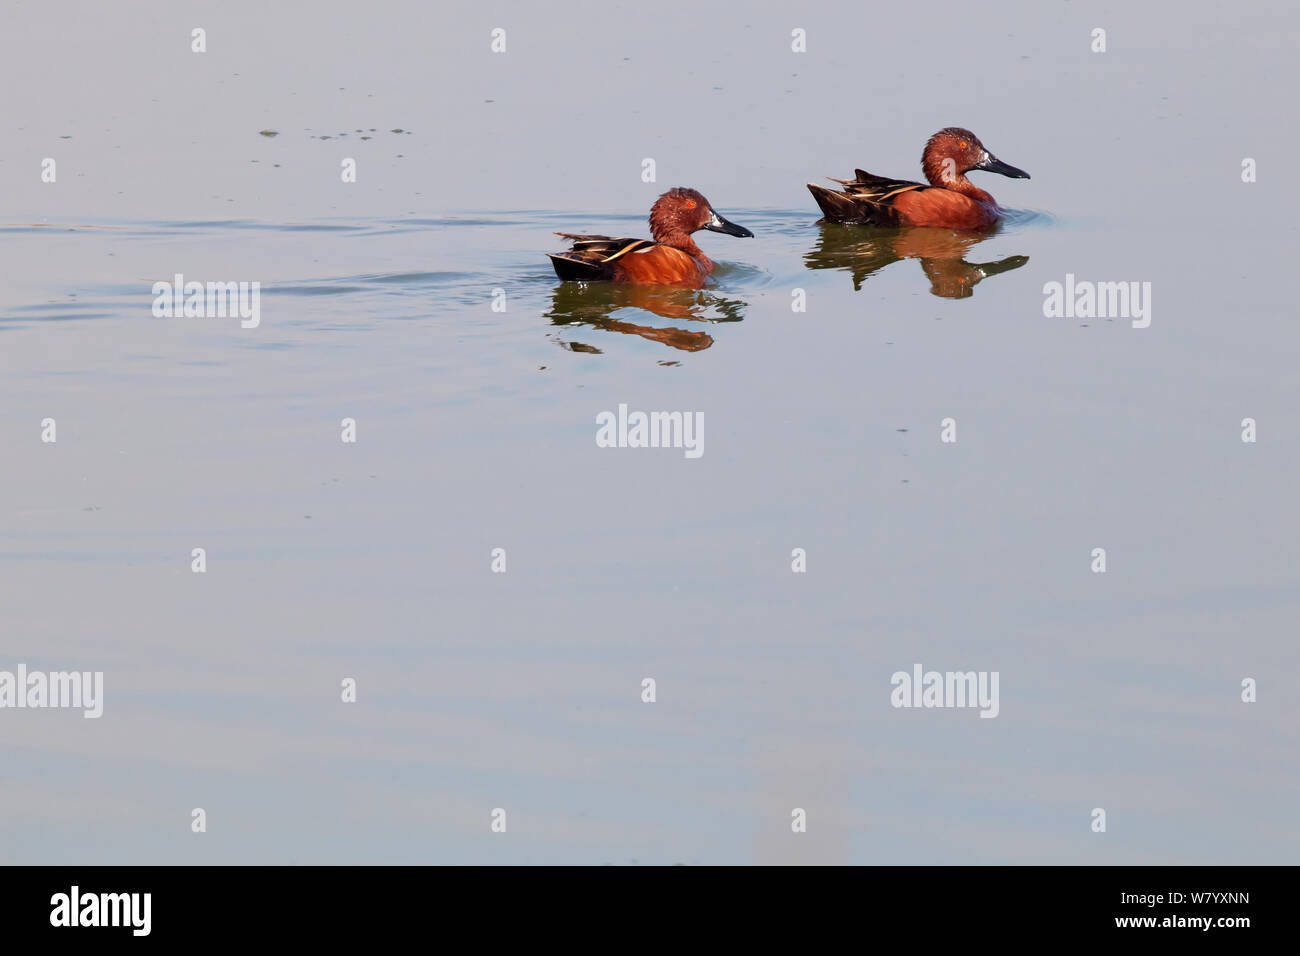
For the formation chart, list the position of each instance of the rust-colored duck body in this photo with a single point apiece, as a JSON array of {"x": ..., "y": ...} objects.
[
  {"x": 950, "y": 200},
  {"x": 670, "y": 258}
]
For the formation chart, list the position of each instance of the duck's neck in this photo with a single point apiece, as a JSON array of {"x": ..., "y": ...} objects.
[
  {"x": 947, "y": 178},
  {"x": 681, "y": 240}
]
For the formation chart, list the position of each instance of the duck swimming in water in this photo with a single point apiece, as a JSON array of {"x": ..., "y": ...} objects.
[
  {"x": 950, "y": 200},
  {"x": 671, "y": 257}
]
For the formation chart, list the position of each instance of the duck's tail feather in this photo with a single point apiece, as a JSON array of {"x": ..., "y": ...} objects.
[
  {"x": 835, "y": 206},
  {"x": 572, "y": 267}
]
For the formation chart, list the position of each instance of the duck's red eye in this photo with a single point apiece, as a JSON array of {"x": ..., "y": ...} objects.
[
  {"x": 690, "y": 204},
  {"x": 963, "y": 144}
]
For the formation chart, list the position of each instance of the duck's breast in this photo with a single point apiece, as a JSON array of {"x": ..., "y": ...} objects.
[
  {"x": 663, "y": 264},
  {"x": 945, "y": 208}
]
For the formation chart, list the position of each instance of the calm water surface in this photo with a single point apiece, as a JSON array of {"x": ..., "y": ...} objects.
[{"x": 476, "y": 431}]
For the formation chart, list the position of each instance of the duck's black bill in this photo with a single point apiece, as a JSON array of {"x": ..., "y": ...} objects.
[
  {"x": 994, "y": 165},
  {"x": 718, "y": 224}
]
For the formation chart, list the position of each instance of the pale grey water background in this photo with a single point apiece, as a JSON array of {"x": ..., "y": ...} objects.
[{"x": 477, "y": 431}]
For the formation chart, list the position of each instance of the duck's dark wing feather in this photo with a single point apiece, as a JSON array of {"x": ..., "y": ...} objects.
[
  {"x": 876, "y": 188},
  {"x": 864, "y": 199},
  {"x": 592, "y": 258}
]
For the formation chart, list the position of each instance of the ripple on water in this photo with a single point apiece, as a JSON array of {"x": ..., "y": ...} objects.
[{"x": 1029, "y": 217}]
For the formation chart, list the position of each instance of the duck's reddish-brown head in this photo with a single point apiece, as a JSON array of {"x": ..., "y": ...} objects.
[
  {"x": 680, "y": 212},
  {"x": 952, "y": 152}
]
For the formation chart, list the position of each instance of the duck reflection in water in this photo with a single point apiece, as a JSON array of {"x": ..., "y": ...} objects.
[
  {"x": 862, "y": 250},
  {"x": 594, "y": 305}
]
